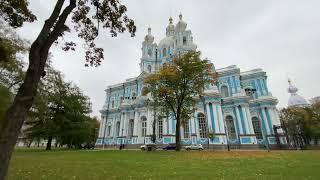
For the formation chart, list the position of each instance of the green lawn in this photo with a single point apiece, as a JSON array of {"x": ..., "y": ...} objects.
[{"x": 39, "y": 164}]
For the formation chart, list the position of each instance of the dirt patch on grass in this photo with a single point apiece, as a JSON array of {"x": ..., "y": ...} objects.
[{"x": 203, "y": 155}]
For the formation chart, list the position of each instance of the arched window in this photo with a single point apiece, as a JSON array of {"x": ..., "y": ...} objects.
[
  {"x": 224, "y": 91},
  {"x": 164, "y": 52},
  {"x": 144, "y": 126},
  {"x": 109, "y": 131},
  {"x": 184, "y": 40},
  {"x": 186, "y": 130},
  {"x": 149, "y": 68},
  {"x": 257, "y": 127},
  {"x": 160, "y": 128},
  {"x": 230, "y": 128},
  {"x": 131, "y": 126},
  {"x": 202, "y": 125},
  {"x": 149, "y": 52},
  {"x": 118, "y": 128}
]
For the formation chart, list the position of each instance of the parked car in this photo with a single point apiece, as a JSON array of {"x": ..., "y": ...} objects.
[
  {"x": 170, "y": 147},
  {"x": 87, "y": 146},
  {"x": 148, "y": 147},
  {"x": 194, "y": 147}
]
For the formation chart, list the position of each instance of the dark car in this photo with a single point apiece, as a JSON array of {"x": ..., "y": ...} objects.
[
  {"x": 170, "y": 147},
  {"x": 87, "y": 146}
]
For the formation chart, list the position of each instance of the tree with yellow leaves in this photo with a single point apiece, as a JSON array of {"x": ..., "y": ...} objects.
[{"x": 177, "y": 84}]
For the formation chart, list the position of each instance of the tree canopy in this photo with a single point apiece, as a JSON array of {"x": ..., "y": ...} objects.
[
  {"x": 60, "y": 112},
  {"x": 301, "y": 123},
  {"x": 177, "y": 85}
]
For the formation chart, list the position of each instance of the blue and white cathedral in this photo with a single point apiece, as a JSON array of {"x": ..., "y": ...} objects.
[{"x": 239, "y": 109}]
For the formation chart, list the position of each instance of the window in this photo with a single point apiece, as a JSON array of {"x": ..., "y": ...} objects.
[
  {"x": 109, "y": 131},
  {"x": 144, "y": 126},
  {"x": 149, "y": 52},
  {"x": 164, "y": 52},
  {"x": 160, "y": 128},
  {"x": 149, "y": 68},
  {"x": 184, "y": 40},
  {"x": 134, "y": 96},
  {"x": 112, "y": 104},
  {"x": 224, "y": 91},
  {"x": 118, "y": 129},
  {"x": 257, "y": 127},
  {"x": 202, "y": 125},
  {"x": 186, "y": 129},
  {"x": 230, "y": 128},
  {"x": 131, "y": 126}
]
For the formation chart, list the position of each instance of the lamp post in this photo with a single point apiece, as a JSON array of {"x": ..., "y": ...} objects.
[{"x": 266, "y": 142}]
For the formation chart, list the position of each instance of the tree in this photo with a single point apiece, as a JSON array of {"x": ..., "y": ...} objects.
[
  {"x": 11, "y": 66},
  {"x": 109, "y": 13},
  {"x": 60, "y": 112},
  {"x": 177, "y": 84},
  {"x": 301, "y": 124}
]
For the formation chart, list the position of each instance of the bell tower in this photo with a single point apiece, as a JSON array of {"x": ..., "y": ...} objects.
[{"x": 148, "y": 49}]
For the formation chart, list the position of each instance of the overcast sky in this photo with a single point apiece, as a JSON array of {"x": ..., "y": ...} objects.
[{"x": 281, "y": 37}]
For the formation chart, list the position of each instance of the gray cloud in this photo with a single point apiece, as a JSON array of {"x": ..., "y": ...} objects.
[{"x": 281, "y": 37}]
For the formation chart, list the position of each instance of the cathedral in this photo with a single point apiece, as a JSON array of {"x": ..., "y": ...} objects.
[{"x": 239, "y": 109}]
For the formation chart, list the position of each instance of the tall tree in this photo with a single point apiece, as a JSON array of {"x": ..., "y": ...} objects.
[
  {"x": 60, "y": 112},
  {"x": 109, "y": 13},
  {"x": 177, "y": 84}
]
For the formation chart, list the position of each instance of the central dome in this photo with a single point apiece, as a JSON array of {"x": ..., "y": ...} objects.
[{"x": 166, "y": 42}]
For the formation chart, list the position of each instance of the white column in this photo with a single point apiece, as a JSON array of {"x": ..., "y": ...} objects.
[
  {"x": 249, "y": 120},
  {"x": 216, "y": 119},
  {"x": 265, "y": 120},
  {"x": 273, "y": 116},
  {"x": 164, "y": 125},
  {"x": 135, "y": 129},
  {"x": 239, "y": 120},
  {"x": 192, "y": 127},
  {"x": 103, "y": 126},
  {"x": 113, "y": 125},
  {"x": 219, "y": 113},
  {"x": 170, "y": 122},
  {"x": 125, "y": 124},
  {"x": 209, "y": 119},
  {"x": 245, "y": 119},
  {"x": 149, "y": 122},
  {"x": 121, "y": 123}
]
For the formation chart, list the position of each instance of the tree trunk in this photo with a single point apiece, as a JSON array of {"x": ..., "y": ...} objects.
[
  {"x": 178, "y": 138},
  {"x": 16, "y": 114},
  {"x": 49, "y": 143},
  {"x": 154, "y": 126}
]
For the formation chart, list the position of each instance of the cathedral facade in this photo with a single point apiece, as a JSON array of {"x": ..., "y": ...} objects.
[{"x": 239, "y": 109}]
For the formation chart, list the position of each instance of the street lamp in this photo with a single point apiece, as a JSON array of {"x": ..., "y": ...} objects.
[{"x": 265, "y": 137}]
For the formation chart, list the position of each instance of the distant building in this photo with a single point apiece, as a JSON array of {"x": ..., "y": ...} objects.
[
  {"x": 295, "y": 100},
  {"x": 239, "y": 110}
]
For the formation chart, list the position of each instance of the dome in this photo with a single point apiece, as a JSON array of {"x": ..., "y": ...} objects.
[
  {"x": 166, "y": 42},
  {"x": 149, "y": 38},
  {"x": 181, "y": 25},
  {"x": 170, "y": 28},
  {"x": 295, "y": 99}
]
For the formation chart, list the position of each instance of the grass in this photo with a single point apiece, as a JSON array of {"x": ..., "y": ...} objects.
[{"x": 39, "y": 164}]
